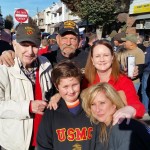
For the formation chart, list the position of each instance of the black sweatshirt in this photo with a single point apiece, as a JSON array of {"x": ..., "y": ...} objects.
[{"x": 62, "y": 130}]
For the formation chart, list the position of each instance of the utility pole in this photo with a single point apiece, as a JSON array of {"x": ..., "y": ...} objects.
[{"x": 37, "y": 16}]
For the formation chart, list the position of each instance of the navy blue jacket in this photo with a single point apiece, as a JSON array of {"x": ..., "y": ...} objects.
[{"x": 147, "y": 60}]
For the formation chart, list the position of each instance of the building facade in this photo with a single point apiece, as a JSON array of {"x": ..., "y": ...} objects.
[{"x": 49, "y": 19}]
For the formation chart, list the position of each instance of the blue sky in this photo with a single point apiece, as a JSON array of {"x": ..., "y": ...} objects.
[{"x": 8, "y": 6}]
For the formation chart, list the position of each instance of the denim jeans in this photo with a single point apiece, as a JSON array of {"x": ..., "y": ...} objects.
[
  {"x": 137, "y": 86},
  {"x": 145, "y": 98}
]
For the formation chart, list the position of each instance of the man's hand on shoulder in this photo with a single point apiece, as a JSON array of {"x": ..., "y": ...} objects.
[{"x": 7, "y": 58}]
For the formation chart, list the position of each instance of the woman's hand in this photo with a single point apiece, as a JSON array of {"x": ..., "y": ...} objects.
[
  {"x": 54, "y": 101},
  {"x": 126, "y": 112}
]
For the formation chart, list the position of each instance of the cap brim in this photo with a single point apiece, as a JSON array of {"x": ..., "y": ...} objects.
[
  {"x": 37, "y": 43},
  {"x": 68, "y": 30}
]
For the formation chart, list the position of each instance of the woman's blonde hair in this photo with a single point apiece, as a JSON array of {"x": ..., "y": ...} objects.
[
  {"x": 88, "y": 96},
  {"x": 90, "y": 70}
]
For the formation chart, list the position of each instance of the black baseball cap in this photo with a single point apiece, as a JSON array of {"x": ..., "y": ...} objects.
[
  {"x": 28, "y": 32},
  {"x": 68, "y": 26}
]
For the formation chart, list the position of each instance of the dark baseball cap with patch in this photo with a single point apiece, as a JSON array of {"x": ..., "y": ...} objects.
[
  {"x": 119, "y": 36},
  {"x": 28, "y": 32},
  {"x": 68, "y": 26}
]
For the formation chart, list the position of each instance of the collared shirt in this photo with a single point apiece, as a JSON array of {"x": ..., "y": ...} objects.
[{"x": 31, "y": 74}]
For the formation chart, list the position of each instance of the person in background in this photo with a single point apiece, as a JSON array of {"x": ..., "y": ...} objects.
[
  {"x": 53, "y": 46},
  {"x": 102, "y": 66},
  {"x": 140, "y": 40},
  {"x": 68, "y": 127},
  {"x": 145, "y": 76},
  {"x": 83, "y": 41},
  {"x": 91, "y": 38},
  {"x": 118, "y": 43},
  {"x": 100, "y": 102},
  {"x": 44, "y": 47},
  {"x": 121, "y": 52},
  {"x": 111, "y": 37},
  {"x": 5, "y": 40},
  {"x": 14, "y": 40},
  {"x": 44, "y": 35},
  {"x": 133, "y": 50},
  {"x": 23, "y": 90}
]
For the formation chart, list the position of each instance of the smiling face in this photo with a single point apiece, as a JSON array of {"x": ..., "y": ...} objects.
[
  {"x": 102, "y": 58},
  {"x": 69, "y": 89},
  {"x": 26, "y": 52},
  {"x": 102, "y": 108},
  {"x": 68, "y": 44}
]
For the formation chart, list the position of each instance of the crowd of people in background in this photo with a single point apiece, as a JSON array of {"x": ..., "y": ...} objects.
[
  {"x": 84, "y": 80},
  {"x": 137, "y": 46}
]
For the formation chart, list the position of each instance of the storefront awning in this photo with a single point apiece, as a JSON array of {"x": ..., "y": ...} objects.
[
  {"x": 146, "y": 16},
  {"x": 145, "y": 23}
]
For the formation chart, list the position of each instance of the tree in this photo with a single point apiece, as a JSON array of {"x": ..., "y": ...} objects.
[
  {"x": 95, "y": 11},
  {"x": 9, "y": 23},
  {"x": 98, "y": 12},
  {"x": 122, "y": 6}
]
